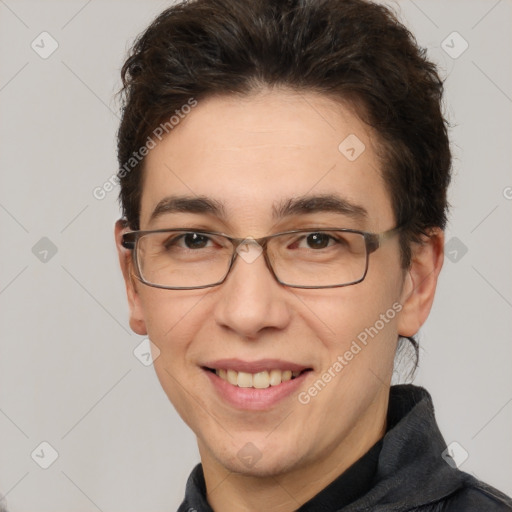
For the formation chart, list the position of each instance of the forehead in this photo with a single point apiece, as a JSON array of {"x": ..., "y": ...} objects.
[{"x": 252, "y": 153}]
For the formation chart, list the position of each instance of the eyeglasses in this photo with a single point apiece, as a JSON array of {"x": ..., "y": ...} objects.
[{"x": 184, "y": 259}]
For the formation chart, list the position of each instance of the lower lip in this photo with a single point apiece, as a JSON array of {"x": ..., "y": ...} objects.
[{"x": 251, "y": 398}]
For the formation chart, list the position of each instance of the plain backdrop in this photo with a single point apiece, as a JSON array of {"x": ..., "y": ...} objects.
[{"x": 68, "y": 373}]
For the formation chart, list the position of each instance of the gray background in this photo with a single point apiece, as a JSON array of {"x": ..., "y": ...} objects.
[{"x": 68, "y": 374}]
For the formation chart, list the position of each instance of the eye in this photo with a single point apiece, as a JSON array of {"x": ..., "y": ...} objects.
[
  {"x": 195, "y": 240},
  {"x": 191, "y": 241},
  {"x": 316, "y": 241}
]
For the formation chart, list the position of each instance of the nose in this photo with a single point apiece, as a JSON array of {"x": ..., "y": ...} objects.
[{"x": 251, "y": 300}]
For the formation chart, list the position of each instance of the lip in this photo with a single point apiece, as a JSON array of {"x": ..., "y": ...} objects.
[
  {"x": 254, "y": 366},
  {"x": 252, "y": 399}
]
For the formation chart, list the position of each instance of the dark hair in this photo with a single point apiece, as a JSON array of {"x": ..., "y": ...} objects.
[{"x": 355, "y": 51}]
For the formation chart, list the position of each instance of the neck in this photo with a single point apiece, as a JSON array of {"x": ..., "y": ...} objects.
[{"x": 286, "y": 492}]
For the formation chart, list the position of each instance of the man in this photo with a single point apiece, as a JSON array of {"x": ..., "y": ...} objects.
[{"x": 284, "y": 168}]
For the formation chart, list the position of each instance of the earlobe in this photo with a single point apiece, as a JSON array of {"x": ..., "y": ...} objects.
[
  {"x": 420, "y": 282},
  {"x": 137, "y": 322}
]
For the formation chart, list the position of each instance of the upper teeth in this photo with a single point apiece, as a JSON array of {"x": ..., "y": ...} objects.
[{"x": 258, "y": 380}]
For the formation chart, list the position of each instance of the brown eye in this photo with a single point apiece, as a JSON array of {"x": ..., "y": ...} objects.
[
  {"x": 195, "y": 240},
  {"x": 192, "y": 241},
  {"x": 318, "y": 240}
]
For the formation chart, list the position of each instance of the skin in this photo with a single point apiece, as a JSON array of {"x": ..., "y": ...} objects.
[{"x": 248, "y": 153}]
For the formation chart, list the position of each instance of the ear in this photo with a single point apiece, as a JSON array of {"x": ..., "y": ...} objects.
[
  {"x": 137, "y": 322},
  {"x": 420, "y": 282}
]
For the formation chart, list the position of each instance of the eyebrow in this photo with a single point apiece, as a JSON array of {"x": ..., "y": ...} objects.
[
  {"x": 186, "y": 204},
  {"x": 293, "y": 206},
  {"x": 320, "y": 203}
]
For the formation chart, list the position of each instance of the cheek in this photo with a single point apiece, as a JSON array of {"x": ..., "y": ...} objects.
[
  {"x": 359, "y": 349},
  {"x": 172, "y": 319},
  {"x": 355, "y": 310},
  {"x": 360, "y": 326}
]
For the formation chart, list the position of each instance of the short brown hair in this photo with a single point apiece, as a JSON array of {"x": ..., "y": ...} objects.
[{"x": 353, "y": 50}]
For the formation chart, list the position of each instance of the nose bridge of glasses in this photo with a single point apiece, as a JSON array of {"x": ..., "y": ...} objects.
[{"x": 249, "y": 249}]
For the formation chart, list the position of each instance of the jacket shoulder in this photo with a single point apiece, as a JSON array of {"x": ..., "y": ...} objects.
[{"x": 473, "y": 496}]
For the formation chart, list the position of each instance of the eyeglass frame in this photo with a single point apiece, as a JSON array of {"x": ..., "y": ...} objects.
[{"x": 373, "y": 242}]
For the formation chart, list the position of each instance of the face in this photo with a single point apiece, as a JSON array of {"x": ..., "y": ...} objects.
[{"x": 249, "y": 157}]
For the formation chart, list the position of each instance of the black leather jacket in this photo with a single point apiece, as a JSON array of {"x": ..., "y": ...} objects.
[{"x": 412, "y": 470}]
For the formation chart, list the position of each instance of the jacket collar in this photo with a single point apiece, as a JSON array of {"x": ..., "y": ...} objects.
[
  {"x": 411, "y": 471},
  {"x": 411, "y": 453}
]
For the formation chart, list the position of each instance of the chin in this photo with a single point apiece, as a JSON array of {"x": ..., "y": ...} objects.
[
  {"x": 261, "y": 469},
  {"x": 269, "y": 461}
]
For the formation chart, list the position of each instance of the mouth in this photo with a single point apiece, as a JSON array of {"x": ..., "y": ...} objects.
[
  {"x": 258, "y": 380},
  {"x": 260, "y": 385}
]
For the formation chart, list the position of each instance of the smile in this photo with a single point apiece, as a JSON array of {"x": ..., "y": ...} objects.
[
  {"x": 255, "y": 385},
  {"x": 259, "y": 380}
]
